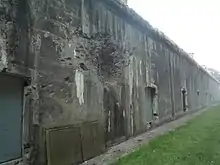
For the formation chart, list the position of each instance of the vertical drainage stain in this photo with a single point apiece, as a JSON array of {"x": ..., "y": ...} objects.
[
  {"x": 109, "y": 121},
  {"x": 131, "y": 79},
  {"x": 3, "y": 54},
  {"x": 140, "y": 66}
]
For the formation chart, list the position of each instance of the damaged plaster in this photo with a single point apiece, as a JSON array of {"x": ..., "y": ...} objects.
[
  {"x": 79, "y": 79},
  {"x": 4, "y": 57}
]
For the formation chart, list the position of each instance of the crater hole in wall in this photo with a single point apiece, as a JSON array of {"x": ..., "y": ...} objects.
[{"x": 198, "y": 92}]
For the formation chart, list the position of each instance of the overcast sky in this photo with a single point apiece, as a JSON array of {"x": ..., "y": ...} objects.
[{"x": 193, "y": 24}]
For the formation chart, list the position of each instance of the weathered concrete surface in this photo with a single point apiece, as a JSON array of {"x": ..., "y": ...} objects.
[
  {"x": 131, "y": 145},
  {"x": 97, "y": 66}
]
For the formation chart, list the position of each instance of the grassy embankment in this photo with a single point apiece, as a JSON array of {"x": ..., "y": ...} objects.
[{"x": 197, "y": 143}]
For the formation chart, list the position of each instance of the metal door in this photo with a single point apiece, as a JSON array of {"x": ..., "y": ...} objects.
[{"x": 11, "y": 94}]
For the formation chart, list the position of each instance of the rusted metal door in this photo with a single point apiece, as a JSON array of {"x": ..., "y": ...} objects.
[{"x": 11, "y": 94}]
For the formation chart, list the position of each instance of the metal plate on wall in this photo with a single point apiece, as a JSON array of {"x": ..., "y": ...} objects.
[
  {"x": 93, "y": 143},
  {"x": 11, "y": 99},
  {"x": 64, "y": 146}
]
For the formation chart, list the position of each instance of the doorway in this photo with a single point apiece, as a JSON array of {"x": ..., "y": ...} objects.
[
  {"x": 115, "y": 122},
  {"x": 184, "y": 99}
]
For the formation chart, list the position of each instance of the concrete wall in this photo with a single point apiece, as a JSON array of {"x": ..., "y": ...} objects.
[
  {"x": 99, "y": 74},
  {"x": 15, "y": 56},
  {"x": 172, "y": 72}
]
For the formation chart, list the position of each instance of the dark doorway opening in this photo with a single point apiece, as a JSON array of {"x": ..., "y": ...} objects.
[
  {"x": 184, "y": 98},
  {"x": 115, "y": 122}
]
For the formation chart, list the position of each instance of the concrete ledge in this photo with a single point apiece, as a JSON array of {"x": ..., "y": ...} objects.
[
  {"x": 132, "y": 144},
  {"x": 13, "y": 162}
]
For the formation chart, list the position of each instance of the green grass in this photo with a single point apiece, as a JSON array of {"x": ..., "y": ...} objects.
[{"x": 197, "y": 143}]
